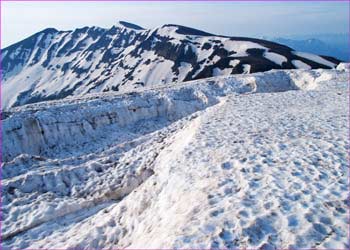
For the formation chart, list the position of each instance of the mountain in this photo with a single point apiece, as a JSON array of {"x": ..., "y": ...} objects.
[
  {"x": 256, "y": 161},
  {"x": 316, "y": 46},
  {"x": 54, "y": 64}
]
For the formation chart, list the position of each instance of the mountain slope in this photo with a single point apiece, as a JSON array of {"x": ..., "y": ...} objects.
[{"x": 54, "y": 64}]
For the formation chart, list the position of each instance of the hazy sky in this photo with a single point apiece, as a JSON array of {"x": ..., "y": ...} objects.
[{"x": 21, "y": 19}]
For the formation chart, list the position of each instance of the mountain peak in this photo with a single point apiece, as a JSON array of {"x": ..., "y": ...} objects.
[
  {"x": 129, "y": 25},
  {"x": 183, "y": 30},
  {"x": 49, "y": 31}
]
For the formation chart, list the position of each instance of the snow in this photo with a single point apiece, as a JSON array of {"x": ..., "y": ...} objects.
[
  {"x": 131, "y": 61},
  {"x": 344, "y": 67},
  {"x": 216, "y": 59},
  {"x": 221, "y": 72},
  {"x": 274, "y": 57},
  {"x": 248, "y": 161},
  {"x": 184, "y": 69},
  {"x": 204, "y": 53},
  {"x": 241, "y": 47},
  {"x": 300, "y": 65},
  {"x": 170, "y": 32},
  {"x": 48, "y": 39},
  {"x": 315, "y": 58},
  {"x": 153, "y": 74},
  {"x": 234, "y": 62},
  {"x": 19, "y": 86},
  {"x": 246, "y": 68}
]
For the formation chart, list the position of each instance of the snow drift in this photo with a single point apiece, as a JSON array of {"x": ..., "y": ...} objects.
[
  {"x": 203, "y": 164},
  {"x": 39, "y": 130}
]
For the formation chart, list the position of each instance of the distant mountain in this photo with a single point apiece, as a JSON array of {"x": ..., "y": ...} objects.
[
  {"x": 53, "y": 64},
  {"x": 335, "y": 45}
]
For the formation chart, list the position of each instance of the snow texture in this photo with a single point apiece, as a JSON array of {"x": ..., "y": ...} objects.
[{"x": 256, "y": 160}]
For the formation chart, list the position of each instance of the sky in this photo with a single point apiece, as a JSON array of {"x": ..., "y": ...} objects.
[{"x": 253, "y": 19}]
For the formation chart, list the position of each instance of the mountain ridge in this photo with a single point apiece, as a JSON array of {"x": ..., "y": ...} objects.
[{"x": 53, "y": 64}]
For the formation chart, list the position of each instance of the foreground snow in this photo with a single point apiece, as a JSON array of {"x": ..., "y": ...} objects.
[{"x": 240, "y": 161}]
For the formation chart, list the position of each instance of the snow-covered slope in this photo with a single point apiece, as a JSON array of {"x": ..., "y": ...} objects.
[
  {"x": 254, "y": 160},
  {"x": 54, "y": 64}
]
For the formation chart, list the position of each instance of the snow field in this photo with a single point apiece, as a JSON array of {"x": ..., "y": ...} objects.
[{"x": 254, "y": 160}]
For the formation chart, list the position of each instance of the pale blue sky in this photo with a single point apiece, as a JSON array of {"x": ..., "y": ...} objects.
[{"x": 21, "y": 19}]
